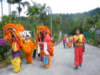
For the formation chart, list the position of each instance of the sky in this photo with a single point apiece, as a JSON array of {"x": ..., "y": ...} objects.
[{"x": 59, "y": 6}]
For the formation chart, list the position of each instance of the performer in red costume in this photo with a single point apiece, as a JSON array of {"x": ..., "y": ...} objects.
[
  {"x": 47, "y": 39},
  {"x": 78, "y": 40}
]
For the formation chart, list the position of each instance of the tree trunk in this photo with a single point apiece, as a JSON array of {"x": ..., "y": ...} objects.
[
  {"x": 19, "y": 13},
  {"x": 9, "y": 5},
  {"x": 2, "y": 16}
]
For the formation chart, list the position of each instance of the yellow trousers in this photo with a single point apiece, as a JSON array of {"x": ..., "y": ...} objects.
[{"x": 16, "y": 62}]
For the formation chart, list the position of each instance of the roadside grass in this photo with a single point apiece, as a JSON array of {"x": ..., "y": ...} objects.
[{"x": 5, "y": 62}]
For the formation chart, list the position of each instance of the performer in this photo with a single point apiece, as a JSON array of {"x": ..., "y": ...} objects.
[
  {"x": 16, "y": 61},
  {"x": 45, "y": 45},
  {"x": 29, "y": 49},
  {"x": 41, "y": 44},
  {"x": 78, "y": 40},
  {"x": 64, "y": 41},
  {"x": 35, "y": 49},
  {"x": 47, "y": 52},
  {"x": 12, "y": 35}
]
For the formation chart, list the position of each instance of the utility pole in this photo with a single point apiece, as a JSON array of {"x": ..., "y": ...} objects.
[
  {"x": 2, "y": 10},
  {"x": 51, "y": 21},
  {"x": 50, "y": 11}
]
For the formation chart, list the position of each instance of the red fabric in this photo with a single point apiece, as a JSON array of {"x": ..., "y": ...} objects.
[
  {"x": 69, "y": 44},
  {"x": 45, "y": 31},
  {"x": 73, "y": 39},
  {"x": 49, "y": 52},
  {"x": 41, "y": 55},
  {"x": 47, "y": 39},
  {"x": 64, "y": 39},
  {"x": 78, "y": 55},
  {"x": 41, "y": 48}
]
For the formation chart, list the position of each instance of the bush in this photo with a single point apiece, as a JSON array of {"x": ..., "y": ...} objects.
[
  {"x": 56, "y": 37},
  {"x": 93, "y": 39},
  {"x": 3, "y": 51}
]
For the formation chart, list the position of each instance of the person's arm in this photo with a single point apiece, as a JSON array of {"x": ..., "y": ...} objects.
[{"x": 73, "y": 40}]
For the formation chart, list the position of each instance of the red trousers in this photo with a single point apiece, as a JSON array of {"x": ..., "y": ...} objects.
[
  {"x": 41, "y": 53},
  {"x": 78, "y": 55}
]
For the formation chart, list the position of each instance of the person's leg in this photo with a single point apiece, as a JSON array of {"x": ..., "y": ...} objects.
[
  {"x": 77, "y": 54},
  {"x": 26, "y": 56},
  {"x": 74, "y": 45},
  {"x": 52, "y": 51},
  {"x": 81, "y": 55},
  {"x": 64, "y": 44},
  {"x": 16, "y": 64},
  {"x": 41, "y": 55},
  {"x": 30, "y": 59},
  {"x": 47, "y": 66},
  {"x": 34, "y": 54}
]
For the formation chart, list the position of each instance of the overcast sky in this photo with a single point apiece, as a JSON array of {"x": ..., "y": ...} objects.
[{"x": 60, "y": 6}]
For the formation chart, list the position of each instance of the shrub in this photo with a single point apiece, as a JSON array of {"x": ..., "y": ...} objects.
[
  {"x": 3, "y": 51},
  {"x": 56, "y": 37}
]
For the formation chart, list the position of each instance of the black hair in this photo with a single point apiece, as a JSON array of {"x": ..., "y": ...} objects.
[
  {"x": 39, "y": 39},
  {"x": 27, "y": 35},
  {"x": 78, "y": 29},
  {"x": 42, "y": 36},
  {"x": 13, "y": 36}
]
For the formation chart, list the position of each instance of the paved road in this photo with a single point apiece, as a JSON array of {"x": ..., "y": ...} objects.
[{"x": 62, "y": 64}]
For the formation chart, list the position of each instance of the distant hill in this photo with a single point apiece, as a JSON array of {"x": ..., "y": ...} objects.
[{"x": 74, "y": 21}]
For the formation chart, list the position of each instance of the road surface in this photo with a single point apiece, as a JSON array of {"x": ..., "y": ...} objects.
[{"x": 62, "y": 63}]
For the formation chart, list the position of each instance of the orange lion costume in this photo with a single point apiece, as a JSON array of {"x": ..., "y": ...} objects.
[
  {"x": 29, "y": 46},
  {"x": 17, "y": 29}
]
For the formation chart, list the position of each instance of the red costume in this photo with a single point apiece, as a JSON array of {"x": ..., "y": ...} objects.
[
  {"x": 45, "y": 44},
  {"x": 79, "y": 48}
]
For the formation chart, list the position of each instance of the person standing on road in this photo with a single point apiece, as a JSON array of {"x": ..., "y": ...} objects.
[
  {"x": 78, "y": 40},
  {"x": 64, "y": 41}
]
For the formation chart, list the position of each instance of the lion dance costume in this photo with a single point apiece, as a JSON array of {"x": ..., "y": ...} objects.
[
  {"x": 16, "y": 61},
  {"x": 17, "y": 29},
  {"x": 45, "y": 45}
]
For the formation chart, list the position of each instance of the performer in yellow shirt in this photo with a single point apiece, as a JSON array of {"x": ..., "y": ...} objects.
[{"x": 78, "y": 40}]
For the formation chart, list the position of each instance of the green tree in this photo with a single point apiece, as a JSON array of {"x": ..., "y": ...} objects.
[
  {"x": 13, "y": 16},
  {"x": 6, "y": 19}
]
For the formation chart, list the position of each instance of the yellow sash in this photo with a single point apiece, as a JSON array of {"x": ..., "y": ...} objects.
[{"x": 14, "y": 46}]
